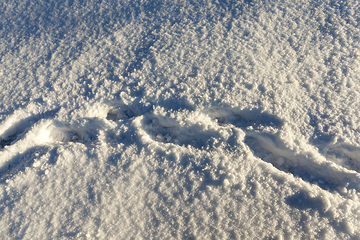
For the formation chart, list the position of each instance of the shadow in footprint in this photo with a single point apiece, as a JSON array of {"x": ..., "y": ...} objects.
[
  {"x": 302, "y": 201},
  {"x": 345, "y": 155},
  {"x": 22, "y": 160},
  {"x": 53, "y": 156},
  {"x": 270, "y": 148},
  {"x": 121, "y": 113},
  {"x": 86, "y": 132},
  {"x": 255, "y": 118},
  {"x": 125, "y": 109},
  {"x": 20, "y": 128},
  {"x": 168, "y": 130}
]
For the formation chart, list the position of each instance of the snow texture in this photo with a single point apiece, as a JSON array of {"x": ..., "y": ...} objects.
[{"x": 184, "y": 119}]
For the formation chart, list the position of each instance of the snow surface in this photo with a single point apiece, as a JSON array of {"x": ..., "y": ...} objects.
[{"x": 222, "y": 119}]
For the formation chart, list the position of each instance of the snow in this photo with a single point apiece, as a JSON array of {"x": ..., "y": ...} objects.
[{"x": 179, "y": 119}]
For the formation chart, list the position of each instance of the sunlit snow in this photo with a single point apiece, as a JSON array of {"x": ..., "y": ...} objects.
[{"x": 219, "y": 119}]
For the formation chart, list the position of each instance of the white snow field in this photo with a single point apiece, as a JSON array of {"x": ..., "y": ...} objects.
[{"x": 179, "y": 119}]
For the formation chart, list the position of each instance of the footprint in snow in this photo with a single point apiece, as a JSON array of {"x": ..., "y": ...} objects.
[
  {"x": 249, "y": 118},
  {"x": 16, "y": 130},
  {"x": 262, "y": 138},
  {"x": 85, "y": 130},
  {"x": 167, "y": 130},
  {"x": 123, "y": 112},
  {"x": 269, "y": 147},
  {"x": 310, "y": 167},
  {"x": 345, "y": 155}
]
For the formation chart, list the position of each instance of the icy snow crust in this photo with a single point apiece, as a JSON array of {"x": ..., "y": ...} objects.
[{"x": 179, "y": 119}]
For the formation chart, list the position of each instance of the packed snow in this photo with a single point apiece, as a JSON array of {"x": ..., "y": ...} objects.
[{"x": 185, "y": 119}]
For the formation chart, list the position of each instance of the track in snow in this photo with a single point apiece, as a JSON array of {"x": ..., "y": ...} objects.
[{"x": 260, "y": 129}]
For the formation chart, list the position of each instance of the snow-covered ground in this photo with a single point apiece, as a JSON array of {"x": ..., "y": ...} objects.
[{"x": 198, "y": 119}]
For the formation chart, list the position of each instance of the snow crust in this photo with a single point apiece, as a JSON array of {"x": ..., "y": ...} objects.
[{"x": 179, "y": 119}]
